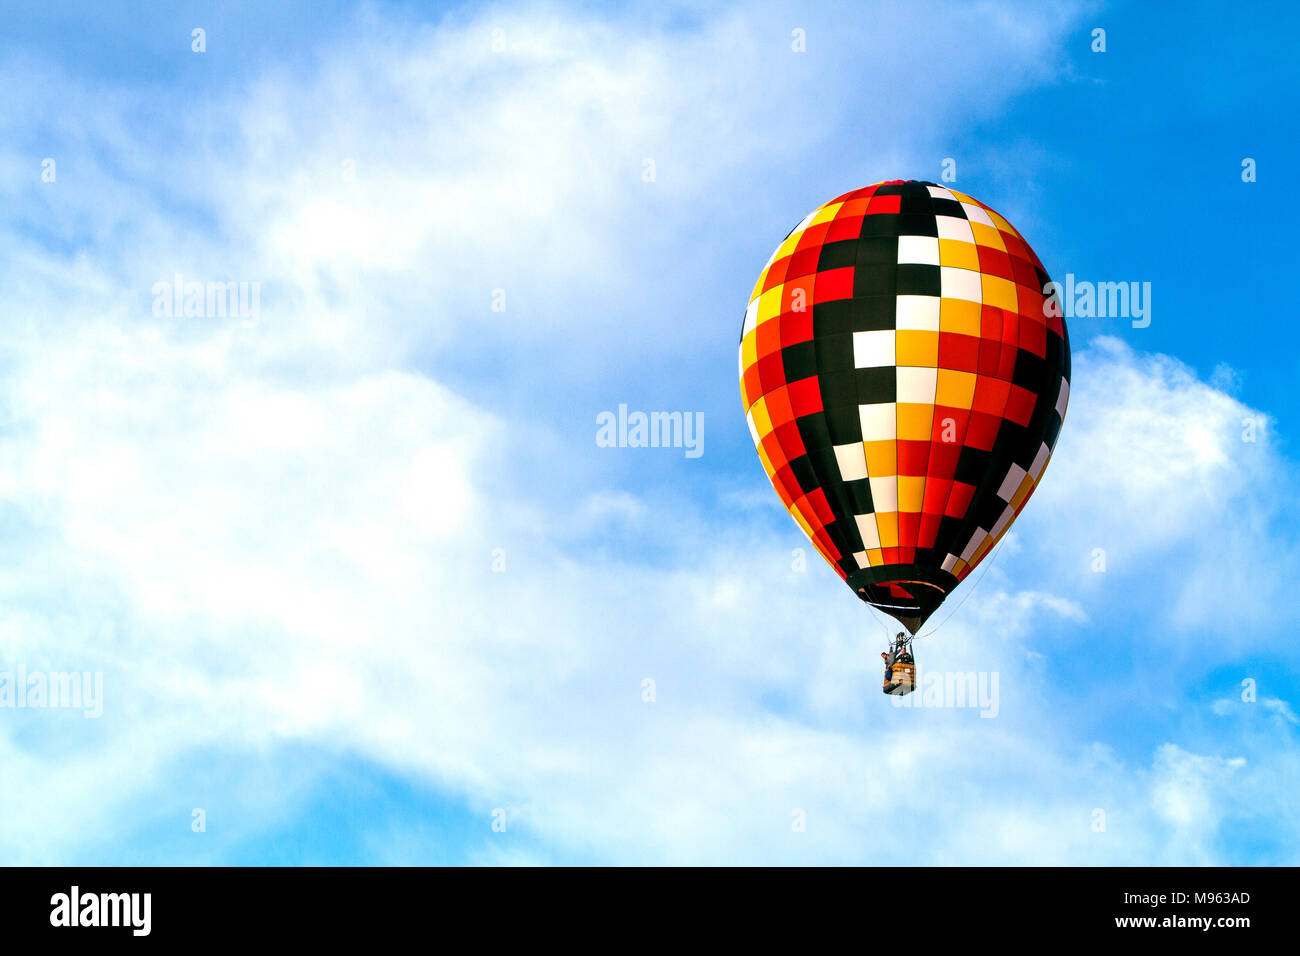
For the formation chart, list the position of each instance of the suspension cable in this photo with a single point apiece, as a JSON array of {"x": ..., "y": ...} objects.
[{"x": 971, "y": 590}]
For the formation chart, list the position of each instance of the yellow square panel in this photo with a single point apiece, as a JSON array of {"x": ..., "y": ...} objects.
[
  {"x": 988, "y": 236},
  {"x": 887, "y": 524},
  {"x": 826, "y": 213},
  {"x": 962, "y": 255},
  {"x": 807, "y": 529},
  {"x": 881, "y": 457},
  {"x": 959, "y": 568},
  {"x": 1003, "y": 224},
  {"x": 875, "y": 557},
  {"x": 956, "y": 389},
  {"x": 996, "y": 291},
  {"x": 769, "y": 306},
  {"x": 763, "y": 421},
  {"x": 767, "y": 463},
  {"x": 787, "y": 247},
  {"x": 1026, "y": 486},
  {"x": 915, "y": 422},
  {"x": 959, "y": 315},
  {"x": 911, "y": 492},
  {"x": 917, "y": 348},
  {"x": 749, "y": 349}
]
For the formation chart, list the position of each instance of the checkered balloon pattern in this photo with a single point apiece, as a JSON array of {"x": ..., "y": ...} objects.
[{"x": 904, "y": 376}]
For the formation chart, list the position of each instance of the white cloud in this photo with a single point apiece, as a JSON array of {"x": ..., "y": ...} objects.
[{"x": 283, "y": 533}]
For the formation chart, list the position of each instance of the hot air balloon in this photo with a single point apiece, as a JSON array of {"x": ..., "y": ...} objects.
[{"x": 904, "y": 369}]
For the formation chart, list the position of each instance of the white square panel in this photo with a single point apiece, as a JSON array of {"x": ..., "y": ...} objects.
[
  {"x": 879, "y": 422},
  {"x": 1008, "y": 515},
  {"x": 1011, "y": 483},
  {"x": 1063, "y": 398},
  {"x": 950, "y": 227},
  {"x": 1040, "y": 461},
  {"x": 975, "y": 214},
  {"x": 975, "y": 541},
  {"x": 938, "y": 192},
  {"x": 960, "y": 284},
  {"x": 917, "y": 386},
  {"x": 919, "y": 312},
  {"x": 869, "y": 531},
  {"x": 873, "y": 349},
  {"x": 884, "y": 493},
  {"x": 923, "y": 250},
  {"x": 852, "y": 461}
]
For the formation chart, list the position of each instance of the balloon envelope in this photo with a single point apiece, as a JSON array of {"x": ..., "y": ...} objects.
[{"x": 904, "y": 369}]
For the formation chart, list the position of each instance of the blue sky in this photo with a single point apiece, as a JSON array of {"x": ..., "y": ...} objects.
[{"x": 360, "y": 581}]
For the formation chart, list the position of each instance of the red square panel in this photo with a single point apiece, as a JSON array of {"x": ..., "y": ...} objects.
[
  {"x": 821, "y": 507},
  {"x": 912, "y": 456},
  {"x": 775, "y": 274},
  {"x": 943, "y": 450},
  {"x": 854, "y": 208},
  {"x": 1022, "y": 270},
  {"x": 1020, "y": 405},
  {"x": 995, "y": 262},
  {"x": 959, "y": 352},
  {"x": 778, "y": 406},
  {"x": 1010, "y": 328},
  {"x": 909, "y": 525},
  {"x": 771, "y": 371},
  {"x": 936, "y": 495},
  {"x": 959, "y": 500},
  {"x": 990, "y": 353},
  {"x": 753, "y": 388},
  {"x": 771, "y": 446},
  {"x": 767, "y": 338},
  {"x": 991, "y": 395},
  {"x": 803, "y": 262},
  {"x": 813, "y": 237},
  {"x": 983, "y": 430},
  {"x": 929, "y": 530},
  {"x": 787, "y": 485},
  {"x": 884, "y": 204},
  {"x": 833, "y": 284},
  {"x": 1007, "y": 362},
  {"x": 805, "y": 396},
  {"x": 1033, "y": 337},
  {"x": 991, "y": 322},
  {"x": 797, "y": 295},
  {"x": 841, "y": 229},
  {"x": 796, "y": 327},
  {"x": 791, "y": 440},
  {"x": 863, "y": 193}
]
